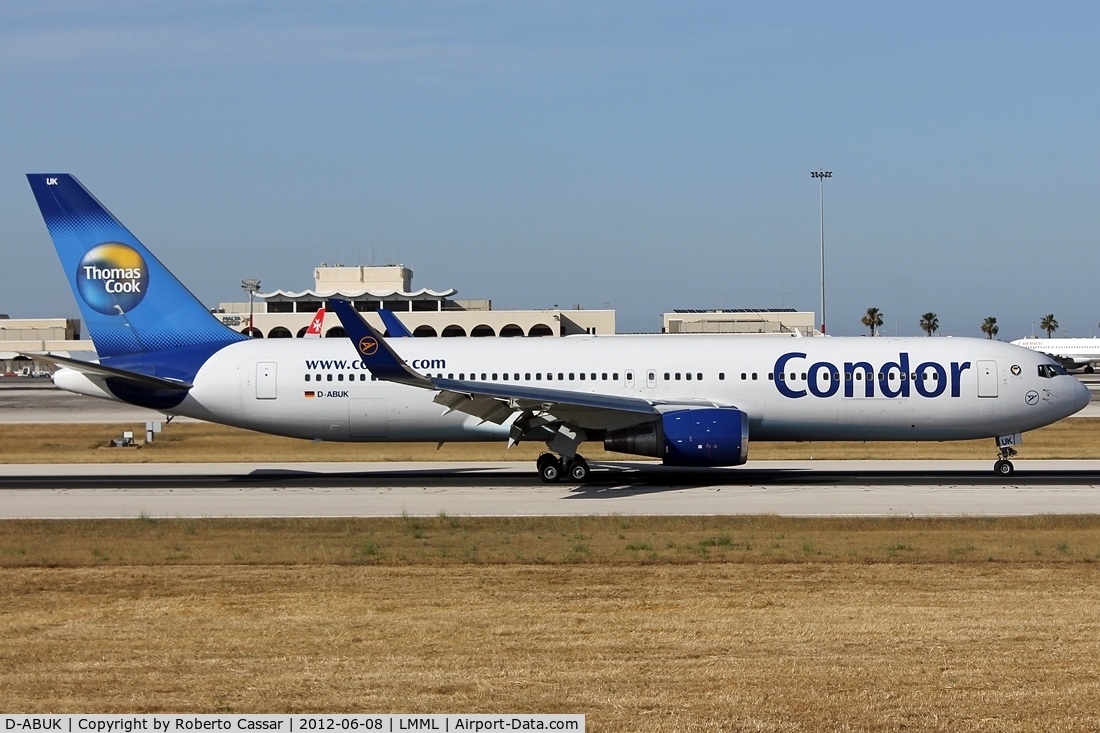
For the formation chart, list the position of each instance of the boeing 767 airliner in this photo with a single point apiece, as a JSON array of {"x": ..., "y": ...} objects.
[{"x": 688, "y": 400}]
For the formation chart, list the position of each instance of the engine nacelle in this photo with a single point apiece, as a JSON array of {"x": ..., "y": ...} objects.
[{"x": 711, "y": 436}]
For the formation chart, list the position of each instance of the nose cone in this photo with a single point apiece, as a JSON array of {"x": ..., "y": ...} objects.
[{"x": 1081, "y": 395}]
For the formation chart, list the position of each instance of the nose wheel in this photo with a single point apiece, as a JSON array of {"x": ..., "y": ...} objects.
[{"x": 1003, "y": 467}]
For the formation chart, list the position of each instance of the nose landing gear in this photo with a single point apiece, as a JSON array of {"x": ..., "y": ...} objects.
[{"x": 1003, "y": 466}]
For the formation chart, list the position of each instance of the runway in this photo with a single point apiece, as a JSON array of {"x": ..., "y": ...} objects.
[{"x": 789, "y": 488}]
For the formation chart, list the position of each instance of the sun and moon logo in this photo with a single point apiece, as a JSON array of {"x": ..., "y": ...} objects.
[{"x": 112, "y": 278}]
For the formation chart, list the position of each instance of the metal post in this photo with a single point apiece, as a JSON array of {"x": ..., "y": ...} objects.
[
  {"x": 250, "y": 286},
  {"x": 821, "y": 176}
]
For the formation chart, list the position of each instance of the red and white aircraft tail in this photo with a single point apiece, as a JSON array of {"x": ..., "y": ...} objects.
[{"x": 314, "y": 330}]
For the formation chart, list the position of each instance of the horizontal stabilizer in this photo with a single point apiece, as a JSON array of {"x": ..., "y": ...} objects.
[{"x": 99, "y": 370}]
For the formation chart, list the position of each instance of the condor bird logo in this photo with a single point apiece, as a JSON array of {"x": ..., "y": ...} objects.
[{"x": 367, "y": 346}]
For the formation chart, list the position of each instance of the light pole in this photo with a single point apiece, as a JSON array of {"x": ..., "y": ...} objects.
[
  {"x": 821, "y": 176},
  {"x": 250, "y": 286},
  {"x": 1032, "y": 328}
]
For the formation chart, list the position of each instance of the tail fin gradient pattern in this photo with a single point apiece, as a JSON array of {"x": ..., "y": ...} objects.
[{"x": 130, "y": 302}]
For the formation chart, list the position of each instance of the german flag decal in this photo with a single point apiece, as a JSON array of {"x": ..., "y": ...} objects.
[{"x": 311, "y": 394}]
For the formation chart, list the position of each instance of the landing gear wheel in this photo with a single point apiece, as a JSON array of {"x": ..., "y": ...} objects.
[
  {"x": 1089, "y": 369},
  {"x": 1003, "y": 468},
  {"x": 549, "y": 469},
  {"x": 543, "y": 459},
  {"x": 578, "y": 470}
]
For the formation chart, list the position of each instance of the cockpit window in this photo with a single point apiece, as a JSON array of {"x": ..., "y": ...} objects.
[{"x": 1046, "y": 371}]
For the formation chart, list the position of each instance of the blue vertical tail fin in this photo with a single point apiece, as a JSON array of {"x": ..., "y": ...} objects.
[{"x": 130, "y": 302}]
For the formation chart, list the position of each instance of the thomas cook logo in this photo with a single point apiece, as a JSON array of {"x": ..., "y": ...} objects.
[
  {"x": 112, "y": 278},
  {"x": 367, "y": 346}
]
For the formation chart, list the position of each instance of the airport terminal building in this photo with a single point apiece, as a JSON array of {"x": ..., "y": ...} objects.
[{"x": 426, "y": 313}]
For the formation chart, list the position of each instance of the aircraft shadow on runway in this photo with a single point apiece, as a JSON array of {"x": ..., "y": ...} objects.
[{"x": 608, "y": 480}]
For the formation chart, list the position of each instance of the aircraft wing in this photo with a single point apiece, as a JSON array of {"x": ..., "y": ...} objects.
[{"x": 495, "y": 402}]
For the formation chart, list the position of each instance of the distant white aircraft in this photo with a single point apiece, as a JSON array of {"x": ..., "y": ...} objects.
[
  {"x": 1070, "y": 353},
  {"x": 688, "y": 400}
]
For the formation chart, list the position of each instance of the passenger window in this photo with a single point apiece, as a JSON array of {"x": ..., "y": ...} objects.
[
  {"x": 781, "y": 376},
  {"x": 859, "y": 376},
  {"x": 699, "y": 377},
  {"x": 582, "y": 376},
  {"x": 527, "y": 376},
  {"x": 362, "y": 377},
  {"x": 594, "y": 376},
  {"x": 571, "y": 376},
  {"x": 677, "y": 376},
  {"x": 549, "y": 376},
  {"x": 494, "y": 376},
  {"x": 538, "y": 376},
  {"x": 688, "y": 376},
  {"x": 516, "y": 376},
  {"x": 666, "y": 376},
  {"x": 803, "y": 376},
  {"x": 560, "y": 376},
  {"x": 605, "y": 376},
  {"x": 483, "y": 376},
  {"x": 754, "y": 375},
  {"x": 770, "y": 375},
  {"x": 505, "y": 375},
  {"x": 836, "y": 376},
  {"x": 615, "y": 376},
  {"x": 328, "y": 377},
  {"x": 317, "y": 378},
  {"x": 307, "y": 377}
]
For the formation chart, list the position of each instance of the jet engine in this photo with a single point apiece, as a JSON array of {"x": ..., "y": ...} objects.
[{"x": 709, "y": 436}]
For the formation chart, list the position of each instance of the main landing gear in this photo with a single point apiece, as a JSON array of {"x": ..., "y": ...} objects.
[{"x": 552, "y": 469}]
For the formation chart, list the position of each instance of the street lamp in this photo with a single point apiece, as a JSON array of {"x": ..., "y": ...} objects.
[
  {"x": 821, "y": 176},
  {"x": 250, "y": 286},
  {"x": 1032, "y": 328}
]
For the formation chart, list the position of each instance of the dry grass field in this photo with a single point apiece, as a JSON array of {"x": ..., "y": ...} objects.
[
  {"x": 644, "y": 624},
  {"x": 203, "y": 442}
]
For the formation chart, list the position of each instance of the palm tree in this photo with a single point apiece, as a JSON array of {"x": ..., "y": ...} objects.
[
  {"x": 990, "y": 327},
  {"x": 872, "y": 320},
  {"x": 930, "y": 323},
  {"x": 1049, "y": 324}
]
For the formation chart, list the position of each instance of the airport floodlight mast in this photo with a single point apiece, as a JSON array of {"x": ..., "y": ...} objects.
[
  {"x": 250, "y": 286},
  {"x": 821, "y": 176}
]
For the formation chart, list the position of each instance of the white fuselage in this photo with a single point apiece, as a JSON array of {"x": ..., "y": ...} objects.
[{"x": 920, "y": 388}]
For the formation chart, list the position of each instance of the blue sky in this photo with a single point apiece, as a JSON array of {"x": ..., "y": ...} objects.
[{"x": 649, "y": 156}]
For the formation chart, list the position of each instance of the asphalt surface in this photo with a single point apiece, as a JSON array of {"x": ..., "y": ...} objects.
[{"x": 792, "y": 488}]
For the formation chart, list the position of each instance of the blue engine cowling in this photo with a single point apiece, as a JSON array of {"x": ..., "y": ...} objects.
[{"x": 711, "y": 436}]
